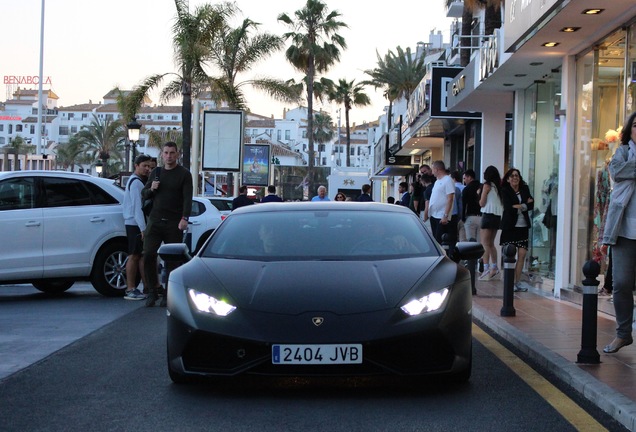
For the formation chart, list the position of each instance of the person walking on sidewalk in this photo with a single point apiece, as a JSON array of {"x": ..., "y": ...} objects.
[
  {"x": 171, "y": 193},
  {"x": 620, "y": 233},
  {"x": 442, "y": 202},
  {"x": 515, "y": 221},
  {"x": 491, "y": 211},
  {"x": 135, "y": 222}
]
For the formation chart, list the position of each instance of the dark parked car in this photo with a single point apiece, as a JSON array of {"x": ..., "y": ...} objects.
[{"x": 320, "y": 289}]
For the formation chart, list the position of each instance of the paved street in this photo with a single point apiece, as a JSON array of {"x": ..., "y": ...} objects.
[
  {"x": 100, "y": 365},
  {"x": 33, "y": 325}
]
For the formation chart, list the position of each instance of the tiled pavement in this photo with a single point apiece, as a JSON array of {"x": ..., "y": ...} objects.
[{"x": 549, "y": 330}]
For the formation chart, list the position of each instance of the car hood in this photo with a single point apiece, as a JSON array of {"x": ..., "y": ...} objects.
[{"x": 295, "y": 287}]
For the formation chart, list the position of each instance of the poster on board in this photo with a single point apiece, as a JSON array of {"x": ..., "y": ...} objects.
[{"x": 255, "y": 167}]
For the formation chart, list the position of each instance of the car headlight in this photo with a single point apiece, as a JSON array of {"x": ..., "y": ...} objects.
[
  {"x": 428, "y": 303},
  {"x": 209, "y": 304}
]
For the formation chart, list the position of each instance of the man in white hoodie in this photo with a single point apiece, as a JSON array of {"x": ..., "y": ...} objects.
[{"x": 135, "y": 225}]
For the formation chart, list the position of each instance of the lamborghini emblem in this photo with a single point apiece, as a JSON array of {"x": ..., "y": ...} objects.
[{"x": 317, "y": 321}]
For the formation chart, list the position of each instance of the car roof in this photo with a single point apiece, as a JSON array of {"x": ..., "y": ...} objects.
[
  {"x": 108, "y": 184},
  {"x": 323, "y": 205}
]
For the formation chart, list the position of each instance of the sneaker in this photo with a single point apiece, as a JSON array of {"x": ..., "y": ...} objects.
[
  {"x": 604, "y": 292},
  {"x": 134, "y": 295},
  {"x": 493, "y": 274},
  {"x": 522, "y": 286},
  {"x": 151, "y": 299},
  {"x": 484, "y": 276}
]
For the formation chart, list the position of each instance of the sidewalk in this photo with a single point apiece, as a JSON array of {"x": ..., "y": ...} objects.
[{"x": 549, "y": 331}]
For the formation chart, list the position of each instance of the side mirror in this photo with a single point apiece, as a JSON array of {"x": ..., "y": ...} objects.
[
  {"x": 466, "y": 251},
  {"x": 175, "y": 252}
]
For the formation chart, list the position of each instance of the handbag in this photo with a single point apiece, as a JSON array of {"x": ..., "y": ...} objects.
[{"x": 146, "y": 207}]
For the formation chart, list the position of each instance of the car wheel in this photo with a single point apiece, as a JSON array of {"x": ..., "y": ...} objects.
[
  {"x": 109, "y": 270},
  {"x": 53, "y": 286}
]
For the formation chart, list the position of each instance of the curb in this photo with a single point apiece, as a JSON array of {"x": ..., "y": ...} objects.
[{"x": 600, "y": 394}]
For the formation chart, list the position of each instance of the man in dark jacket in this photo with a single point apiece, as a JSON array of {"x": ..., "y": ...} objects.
[
  {"x": 471, "y": 208},
  {"x": 271, "y": 195},
  {"x": 241, "y": 200},
  {"x": 365, "y": 196},
  {"x": 171, "y": 193}
]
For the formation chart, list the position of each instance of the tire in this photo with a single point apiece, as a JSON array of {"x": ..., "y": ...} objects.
[
  {"x": 53, "y": 286},
  {"x": 109, "y": 269}
]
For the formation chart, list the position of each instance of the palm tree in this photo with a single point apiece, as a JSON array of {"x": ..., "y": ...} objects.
[
  {"x": 315, "y": 47},
  {"x": 21, "y": 146},
  {"x": 323, "y": 130},
  {"x": 349, "y": 94},
  {"x": 104, "y": 141},
  {"x": 237, "y": 51},
  {"x": 398, "y": 74},
  {"x": 157, "y": 138},
  {"x": 192, "y": 36},
  {"x": 492, "y": 21},
  {"x": 68, "y": 154}
]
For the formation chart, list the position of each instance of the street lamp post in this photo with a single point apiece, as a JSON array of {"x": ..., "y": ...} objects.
[
  {"x": 99, "y": 167},
  {"x": 133, "y": 136}
]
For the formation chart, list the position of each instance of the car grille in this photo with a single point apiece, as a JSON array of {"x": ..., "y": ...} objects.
[{"x": 415, "y": 354}]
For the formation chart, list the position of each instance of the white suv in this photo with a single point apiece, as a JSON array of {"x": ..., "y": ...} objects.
[{"x": 58, "y": 227}]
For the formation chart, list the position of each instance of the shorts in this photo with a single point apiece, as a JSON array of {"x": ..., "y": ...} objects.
[
  {"x": 135, "y": 243},
  {"x": 517, "y": 236},
  {"x": 490, "y": 221}
]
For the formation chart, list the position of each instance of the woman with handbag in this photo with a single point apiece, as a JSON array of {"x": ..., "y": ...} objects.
[{"x": 515, "y": 221}]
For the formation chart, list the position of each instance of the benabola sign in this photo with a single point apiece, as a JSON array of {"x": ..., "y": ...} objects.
[{"x": 25, "y": 79}]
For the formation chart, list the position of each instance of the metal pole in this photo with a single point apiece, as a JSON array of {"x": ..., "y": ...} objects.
[
  {"x": 195, "y": 146},
  {"x": 508, "y": 308},
  {"x": 588, "y": 353},
  {"x": 38, "y": 135},
  {"x": 472, "y": 267}
]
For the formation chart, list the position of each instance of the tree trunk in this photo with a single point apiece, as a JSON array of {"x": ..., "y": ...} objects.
[
  {"x": 348, "y": 137},
  {"x": 465, "y": 40},
  {"x": 310, "y": 125},
  {"x": 186, "y": 121}
]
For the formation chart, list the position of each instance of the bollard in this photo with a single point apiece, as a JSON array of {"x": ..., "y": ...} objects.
[
  {"x": 472, "y": 267},
  {"x": 508, "y": 308},
  {"x": 588, "y": 353}
]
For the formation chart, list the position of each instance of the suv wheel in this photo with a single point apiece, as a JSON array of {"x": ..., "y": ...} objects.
[
  {"x": 53, "y": 286},
  {"x": 109, "y": 270}
]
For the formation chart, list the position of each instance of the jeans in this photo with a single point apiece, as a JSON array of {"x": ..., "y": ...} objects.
[
  {"x": 157, "y": 232},
  {"x": 624, "y": 278},
  {"x": 471, "y": 227}
]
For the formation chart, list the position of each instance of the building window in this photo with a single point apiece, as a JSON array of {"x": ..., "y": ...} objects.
[
  {"x": 1, "y": 127},
  {"x": 278, "y": 134},
  {"x": 160, "y": 117},
  {"x": 288, "y": 134},
  {"x": 174, "y": 117},
  {"x": 84, "y": 115},
  {"x": 18, "y": 128},
  {"x": 63, "y": 130},
  {"x": 31, "y": 129},
  {"x": 71, "y": 115},
  {"x": 305, "y": 134},
  {"x": 73, "y": 130}
]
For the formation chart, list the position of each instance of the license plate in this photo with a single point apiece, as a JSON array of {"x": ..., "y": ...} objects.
[{"x": 317, "y": 354}]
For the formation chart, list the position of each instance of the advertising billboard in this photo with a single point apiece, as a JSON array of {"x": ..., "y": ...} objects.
[
  {"x": 222, "y": 140},
  {"x": 255, "y": 165}
]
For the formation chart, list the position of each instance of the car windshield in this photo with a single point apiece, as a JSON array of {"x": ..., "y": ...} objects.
[{"x": 320, "y": 234}]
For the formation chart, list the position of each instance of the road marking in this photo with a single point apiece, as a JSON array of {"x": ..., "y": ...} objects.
[{"x": 572, "y": 412}]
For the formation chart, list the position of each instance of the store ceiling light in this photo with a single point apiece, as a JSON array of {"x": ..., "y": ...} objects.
[
  {"x": 570, "y": 29},
  {"x": 550, "y": 44},
  {"x": 520, "y": 75},
  {"x": 536, "y": 63},
  {"x": 592, "y": 11}
]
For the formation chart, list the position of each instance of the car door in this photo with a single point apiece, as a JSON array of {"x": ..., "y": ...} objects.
[
  {"x": 21, "y": 228},
  {"x": 78, "y": 217}
]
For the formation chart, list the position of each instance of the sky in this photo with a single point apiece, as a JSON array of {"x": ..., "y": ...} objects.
[{"x": 92, "y": 46}]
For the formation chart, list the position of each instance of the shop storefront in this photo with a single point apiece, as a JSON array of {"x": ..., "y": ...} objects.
[
  {"x": 606, "y": 96},
  {"x": 537, "y": 156}
]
